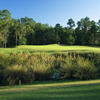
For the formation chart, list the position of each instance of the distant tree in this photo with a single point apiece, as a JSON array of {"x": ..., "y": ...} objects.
[
  {"x": 5, "y": 20},
  {"x": 30, "y": 35},
  {"x": 93, "y": 33},
  {"x": 68, "y": 36},
  {"x": 25, "y": 30},
  {"x": 1, "y": 37},
  {"x": 71, "y": 23},
  {"x": 58, "y": 33},
  {"x": 39, "y": 34},
  {"x": 29, "y": 24},
  {"x": 17, "y": 29},
  {"x": 50, "y": 36},
  {"x": 98, "y": 24},
  {"x": 82, "y": 31}
]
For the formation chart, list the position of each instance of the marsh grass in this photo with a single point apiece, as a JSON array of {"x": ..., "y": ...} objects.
[{"x": 30, "y": 67}]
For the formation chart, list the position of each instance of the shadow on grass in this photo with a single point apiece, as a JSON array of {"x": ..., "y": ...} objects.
[{"x": 88, "y": 92}]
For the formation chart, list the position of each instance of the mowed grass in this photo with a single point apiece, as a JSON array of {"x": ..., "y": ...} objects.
[
  {"x": 50, "y": 49},
  {"x": 81, "y": 90}
]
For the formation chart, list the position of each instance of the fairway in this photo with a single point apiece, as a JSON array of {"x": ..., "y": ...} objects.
[
  {"x": 83, "y": 90},
  {"x": 50, "y": 49}
]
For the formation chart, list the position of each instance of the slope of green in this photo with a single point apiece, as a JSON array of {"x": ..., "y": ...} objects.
[
  {"x": 49, "y": 49},
  {"x": 81, "y": 90}
]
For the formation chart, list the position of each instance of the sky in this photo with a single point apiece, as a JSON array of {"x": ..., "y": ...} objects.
[{"x": 53, "y": 11}]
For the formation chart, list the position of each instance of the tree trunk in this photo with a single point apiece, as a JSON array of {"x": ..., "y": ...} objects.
[
  {"x": 5, "y": 41},
  {"x": 16, "y": 39}
]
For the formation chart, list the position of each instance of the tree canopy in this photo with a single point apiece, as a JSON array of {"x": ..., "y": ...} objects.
[{"x": 25, "y": 31}]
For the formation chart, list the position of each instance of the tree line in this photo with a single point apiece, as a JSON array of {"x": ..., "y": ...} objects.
[{"x": 25, "y": 31}]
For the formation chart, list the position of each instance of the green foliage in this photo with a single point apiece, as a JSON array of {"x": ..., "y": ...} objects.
[
  {"x": 68, "y": 67},
  {"x": 85, "y": 69},
  {"x": 71, "y": 23},
  {"x": 28, "y": 67},
  {"x": 25, "y": 31}
]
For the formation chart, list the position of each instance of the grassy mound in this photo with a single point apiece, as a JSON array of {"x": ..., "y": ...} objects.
[{"x": 50, "y": 49}]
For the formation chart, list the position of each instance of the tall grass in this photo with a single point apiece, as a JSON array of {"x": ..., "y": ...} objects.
[{"x": 27, "y": 67}]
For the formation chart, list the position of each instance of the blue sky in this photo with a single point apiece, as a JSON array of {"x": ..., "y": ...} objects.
[{"x": 53, "y": 11}]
